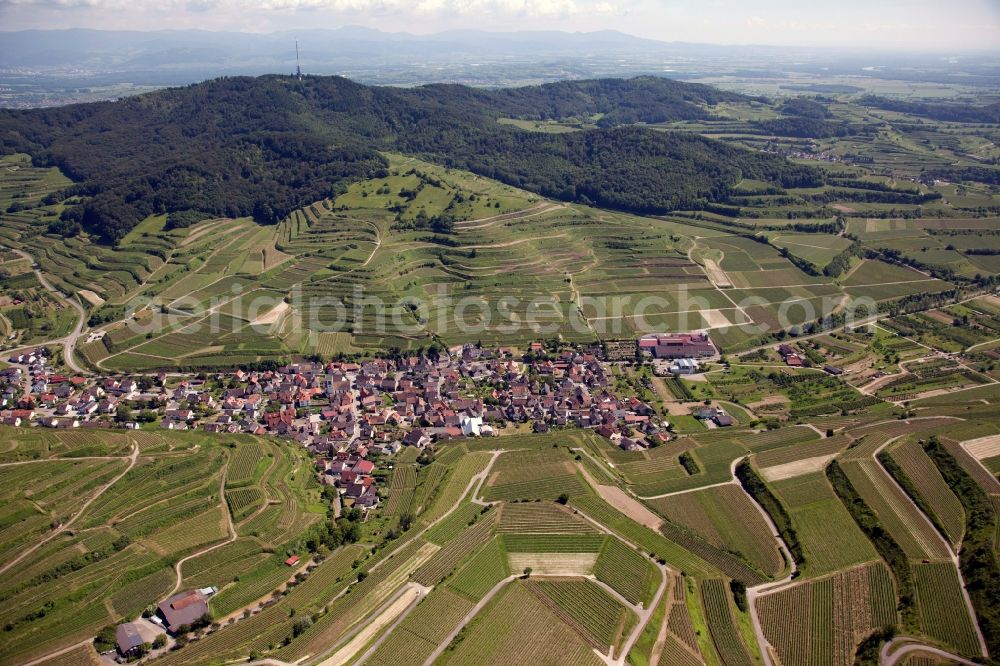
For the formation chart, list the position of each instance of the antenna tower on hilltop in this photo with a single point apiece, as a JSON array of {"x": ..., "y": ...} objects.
[{"x": 298, "y": 68}]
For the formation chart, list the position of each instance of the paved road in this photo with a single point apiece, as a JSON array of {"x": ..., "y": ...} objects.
[
  {"x": 886, "y": 659},
  {"x": 68, "y": 342}
]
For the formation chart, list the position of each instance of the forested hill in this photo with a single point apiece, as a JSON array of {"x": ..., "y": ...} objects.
[{"x": 265, "y": 146}]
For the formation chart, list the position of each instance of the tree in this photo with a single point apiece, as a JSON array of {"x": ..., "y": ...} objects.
[
  {"x": 105, "y": 639},
  {"x": 563, "y": 498},
  {"x": 160, "y": 641}
]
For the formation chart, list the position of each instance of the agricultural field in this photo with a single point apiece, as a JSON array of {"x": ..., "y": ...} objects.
[
  {"x": 943, "y": 613},
  {"x": 932, "y": 492},
  {"x": 830, "y": 539},
  {"x": 726, "y": 518},
  {"x": 719, "y": 614},
  {"x": 516, "y": 626},
  {"x": 92, "y": 541},
  {"x": 532, "y": 475},
  {"x": 822, "y": 621},
  {"x": 560, "y": 548},
  {"x": 339, "y": 276}
]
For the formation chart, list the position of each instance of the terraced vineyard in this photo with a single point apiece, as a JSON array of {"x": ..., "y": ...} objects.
[
  {"x": 589, "y": 610},
  {"x": 401, "y": 487},
  {"x": 165, "y": 506},
  {"x": 625, "y": 570},
  {"x": 532, "y": 475},
  {"x": 824, "y": 620},
  {"x": 910, "y": 529},
  {"x": 726, "y": 518},
  {"x": 573, "y": 535},
  {"x": 518, "y": 626},
  {"x": 830, "y": 539},
  {"x": 542, "y": 519},
  {"x": 478, "y": 576},
  {"x": 943, "y": 613},
  {"x": 931, "y": 488},
  {"x": 419, "y": 634},
  {"x": 719, "y": 614},
  {"x": 456, "y": 550}
]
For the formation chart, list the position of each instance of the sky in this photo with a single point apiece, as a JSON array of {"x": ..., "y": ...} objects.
[{"x": 921, "y": 25}]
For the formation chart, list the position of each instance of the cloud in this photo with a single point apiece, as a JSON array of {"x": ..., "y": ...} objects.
[{"x": 529, "y": 8}]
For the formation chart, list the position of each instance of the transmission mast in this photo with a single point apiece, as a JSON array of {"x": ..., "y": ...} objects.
[{"x": 298, "y": 67}]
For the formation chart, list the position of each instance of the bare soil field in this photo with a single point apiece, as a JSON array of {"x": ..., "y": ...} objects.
[
  {"x": 796, "y": 468},
  {"x": 716, "y": 318},
  {"x": 272, "y": 315},
  {"x": 553, "y": 564},
  {"x": 717, "y": 275},
  {"x": 628, "y": 505},
  {"x": 983, "y": 447},
  {"x": 91, "y": 297}
]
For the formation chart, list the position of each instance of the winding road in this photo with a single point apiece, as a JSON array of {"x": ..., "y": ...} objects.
[
  {"x": 68, "y": 342},
  {"x": 232, "y": 536},
  {"x": 886, "y": 659}
]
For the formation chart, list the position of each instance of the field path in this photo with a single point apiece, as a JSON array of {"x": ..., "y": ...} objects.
[
  {"x": 389, "y": 615},
  {"x": 443, "y": 645},
  {"x": 45, "y": 460},
  {"x": 421, "y": 593},
  {"x": 378, "y": 244},
  {"x": 471, "y": 490},
  {"x": 511, "y": 243},
  {"x": 644, "y": 614},
  {"x": 719, "y": 278},
  {"x": 229, "y": 524},
  {"x": 538, "y": 209},
  {"x": 62, "y": 528},
  {"x": 68, "y": 342},
  {"x": 57, "y": 653},
  {"x": 622, "y": 501}
]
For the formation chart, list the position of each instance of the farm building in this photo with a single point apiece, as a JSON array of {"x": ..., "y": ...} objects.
[
  {"x": 128, "y": 640},
  {"x": 722, "y": 419},
  {"x": 182, "y": 609},
  {"x": 685, "y": 345},
  {"x": 684, "y": 366}
]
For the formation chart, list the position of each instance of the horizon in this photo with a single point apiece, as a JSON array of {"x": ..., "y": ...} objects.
[
  {"x": 873, "y": 48},
  {"x": 969, "y": 26}
]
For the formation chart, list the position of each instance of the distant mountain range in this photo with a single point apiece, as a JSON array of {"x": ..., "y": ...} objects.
[
  {"x": 323, "y": 51},
  {"x": 55, "y": 67}
]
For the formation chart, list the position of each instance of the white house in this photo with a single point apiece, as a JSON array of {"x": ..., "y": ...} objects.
[
  {"x": 472, "y": 426},
  {"x": 684, "y": 366}
]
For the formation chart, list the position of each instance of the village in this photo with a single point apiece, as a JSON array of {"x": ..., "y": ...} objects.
[
  {"x": 349, "y": 414},
  {"x": 374, "y": 406}
]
